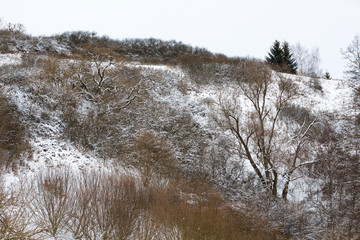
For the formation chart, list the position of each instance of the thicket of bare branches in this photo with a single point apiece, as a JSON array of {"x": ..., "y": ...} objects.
[{"x": 100, "y": 205}]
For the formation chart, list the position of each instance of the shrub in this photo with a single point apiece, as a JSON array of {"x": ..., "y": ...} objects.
[
  {"x": 156, "y": 51},
  {"x": 10, "y": 35},
  {"x": 195, "y": 210},
  {"x": 106, "y": 204},
  {"x": 12, "y": 133},
  {"x": 153, "y": 156},
  {"x": 208, "y": 69},
  {"x": 13, "y": 74},
  {"x": 53, "y": 204},
  {"x": 297, "y": 113},
  {"x": 316, "y": 84}
]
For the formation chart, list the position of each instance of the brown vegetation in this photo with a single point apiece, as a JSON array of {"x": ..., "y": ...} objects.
[
  {"x": 186, "y": 176},
  {"x": 12, "y": 134},
  {"x": 109, "y": 206}
]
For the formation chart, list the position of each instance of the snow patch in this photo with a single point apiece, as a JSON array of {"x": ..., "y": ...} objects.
[{"x": 10, "y": 59}]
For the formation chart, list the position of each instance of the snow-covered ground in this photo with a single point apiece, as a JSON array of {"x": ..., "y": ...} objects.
[
  {"x": 50, "y": 150},
  {"x": 7, "y": 59},
  {"x": 335, "y": 96}
]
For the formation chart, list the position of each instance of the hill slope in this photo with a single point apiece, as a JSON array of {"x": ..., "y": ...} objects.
[{"x": 170, "y": 126}]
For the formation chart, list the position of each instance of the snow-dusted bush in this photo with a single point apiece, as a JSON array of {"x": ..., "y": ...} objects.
[
  {"x": 13, "y": 74},
  {"x": 154, "y": 157},
  {"x": 316, "y": 84},
  {"x": 297, "y": 113},
  {"x": 13, "y": 140},
  {"x": 12, "y": 37},
  {"x": 212, "y": 69},
  {"x": 107, "y": 205}
]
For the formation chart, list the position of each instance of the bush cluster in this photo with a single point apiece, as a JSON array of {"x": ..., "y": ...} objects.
[
  {"x": 195, "y": 60},
  {"x": 99, "y": 205}
]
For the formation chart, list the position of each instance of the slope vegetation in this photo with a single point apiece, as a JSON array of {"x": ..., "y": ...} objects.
[{"x": 146, "y": 139}]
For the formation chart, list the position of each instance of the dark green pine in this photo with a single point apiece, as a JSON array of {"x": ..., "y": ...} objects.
[
  {"x": 327, "y": 75},
  {"x": 275, "y": 55},
  {"x": 289, "y": 63}
]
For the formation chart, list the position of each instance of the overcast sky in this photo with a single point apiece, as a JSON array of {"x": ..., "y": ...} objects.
[{"x": 233, "y": 27}]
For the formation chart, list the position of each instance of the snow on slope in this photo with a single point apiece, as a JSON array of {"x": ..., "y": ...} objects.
[
  {"x": 51, "y": 151},
  {"x": 329, "y": 97},
  {"x": 6, "y": 59},
  {"x": 335, "y": 96}
]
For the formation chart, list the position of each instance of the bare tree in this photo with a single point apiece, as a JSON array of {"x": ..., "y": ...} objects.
[
  {"x": 273, "y": 149},
  {"x": 308, "y": 61},
  {"x": 352, "y": 55},
  {"x": 110, "y": 88},
  {"x": 101, "y": 78}
]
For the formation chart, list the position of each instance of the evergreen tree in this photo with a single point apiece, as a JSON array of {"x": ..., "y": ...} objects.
[
  {"x": 276, "y": 54},
  {"x": 281, "y": 58},
  {"x": 327, "y": 75},
  {"x": 289, "y": 63}
]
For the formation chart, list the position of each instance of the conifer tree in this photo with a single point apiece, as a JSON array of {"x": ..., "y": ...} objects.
[
  {"x": 327, "y": 75},
  {"x": 281, "y": 58},
  {"x": 275, "y": 55},
  {"x": 289, "y": 63}
]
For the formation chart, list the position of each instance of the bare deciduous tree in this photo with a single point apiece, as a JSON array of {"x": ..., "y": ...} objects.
[
  {"x": 337, "y": 174},
  {"x": 352, "y": 55},
  {"x": 261, "y": 137},
  {"x": 308, "y": 61}
]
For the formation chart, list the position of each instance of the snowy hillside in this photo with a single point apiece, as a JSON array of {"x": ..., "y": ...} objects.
[
  {"x": 157, "y": 125},
  {"x": 48, "y": 149}
]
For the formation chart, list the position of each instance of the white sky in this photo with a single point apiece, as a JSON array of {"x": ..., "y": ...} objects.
[{"x": 233, "y": 27}]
